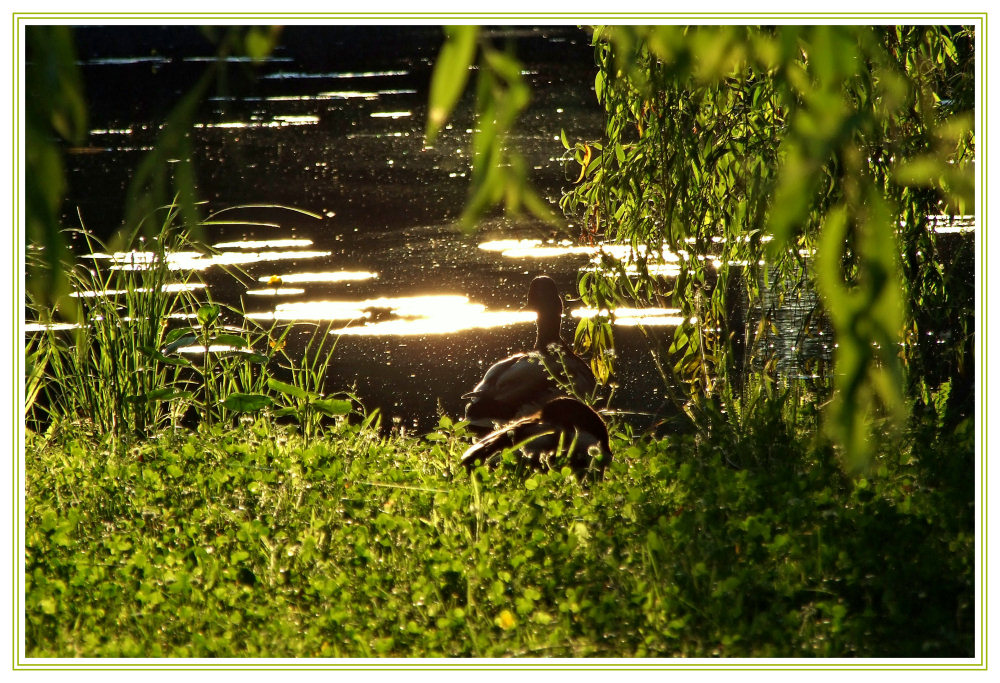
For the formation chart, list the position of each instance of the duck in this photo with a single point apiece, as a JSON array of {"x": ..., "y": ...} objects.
[
  {"x": 521, "y": 384},
  {"x": 565, "y": 427}
]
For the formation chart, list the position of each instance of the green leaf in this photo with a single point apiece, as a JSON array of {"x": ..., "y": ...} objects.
[
  {"x": 178, "y": 333},
  {"x": 333, "y": 406},
  {"x": 208, "y": 314},
  {"x": 451, "y": 73},
  {"x": 925, "y": 170},
  {"x": 247, "y": 403},
  {"x": 185, "y": 340},
  {"x": 160, "y": 358},
  {"x": 260, "y": 41},
  {"x": 166, "y": 394},
  {"x": 287, "y": 389},
  {"x": 231, "y": 340}
]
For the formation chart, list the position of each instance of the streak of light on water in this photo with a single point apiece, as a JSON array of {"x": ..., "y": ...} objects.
[
  {"x": 42, "y": 327},
  {"x": 278, "y": 121},
  {"x": 633, "y": 317},
  {"x": 284, "y": 75},
  {"x": 276, "y": 291},
  {"x": 193, "y": 260},
  {"x": 536, "y": 248},
  {"x": 263, "y": 244},
  {"x": 215, "y": 348},
  {"x": 170, "y": 288},
  {"x": 111, "y": 131},
  {"x": 331, "y": 276},
  {"x": 237, "y": 59},
  {"x": 392, "y": 316},
  {"x": 59, "y": 327},
  {"x": 120, "y": 61}
]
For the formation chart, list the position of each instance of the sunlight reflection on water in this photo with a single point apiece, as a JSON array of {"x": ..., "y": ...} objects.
[
  {"x": 633, "y": 316},
  {"x": 170, "y": 288},
  {"x": 194, "y": 260},
  {"x": 276, "y": 291},
  {"x": 414, "y": 315},
  {"x": 536, "y": 248},
  {"x": 331, "y": 276},
  {"x": 278, "y": 121},
  {"x": 437, "y": 314},
  {"x": 263, "y": 244}
]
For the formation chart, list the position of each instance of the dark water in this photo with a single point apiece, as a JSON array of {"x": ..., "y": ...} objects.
[{"x": 333, "y": 124}]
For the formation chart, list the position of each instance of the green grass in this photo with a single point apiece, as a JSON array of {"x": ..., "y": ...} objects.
[
  {"x": 109, "y": 368},
  {"x": 252, "y": 542}
]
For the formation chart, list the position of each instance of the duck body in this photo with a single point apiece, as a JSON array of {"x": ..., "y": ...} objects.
[
  {"x": 521, "y": 384},
  {"x": 565, "y": 431}
]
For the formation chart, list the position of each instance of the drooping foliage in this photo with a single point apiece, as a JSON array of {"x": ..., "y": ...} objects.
[
  {"x": 499, "y": 173},
  {"x": 778, "y": 154},
  {"x": 767, "y": 157}
]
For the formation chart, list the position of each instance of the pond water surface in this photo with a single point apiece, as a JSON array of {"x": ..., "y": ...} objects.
[{"x": 333, "y": 124}]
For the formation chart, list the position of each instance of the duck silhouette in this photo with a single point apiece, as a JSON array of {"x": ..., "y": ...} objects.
[
  {"x": 521, "y": 384},
  {"x": 565, "y": 431}
]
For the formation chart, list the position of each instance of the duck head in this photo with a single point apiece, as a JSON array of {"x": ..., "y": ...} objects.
[{"x": 544, "y": 300}]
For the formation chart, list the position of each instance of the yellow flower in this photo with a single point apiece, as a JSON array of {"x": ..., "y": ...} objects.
[{"x": 506, "y": 620}]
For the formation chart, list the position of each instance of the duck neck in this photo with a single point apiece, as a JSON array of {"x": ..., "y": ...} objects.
[{"x": 547, "y": 327}]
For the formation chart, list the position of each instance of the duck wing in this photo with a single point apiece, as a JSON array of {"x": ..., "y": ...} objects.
[
  {"x": 532, "y": 436},
  {"x": 565, "y": 432}
]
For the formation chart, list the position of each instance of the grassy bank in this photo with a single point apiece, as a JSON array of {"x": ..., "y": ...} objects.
[{"x": 249, "y": 542}]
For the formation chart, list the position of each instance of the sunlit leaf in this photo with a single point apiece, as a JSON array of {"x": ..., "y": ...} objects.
[
  {"x": 230, "y": 340},
  {"x": 246, "y": 403},
  {"x": 332, "y": 406},
  {"x": 451, "y": 73},
  {"x": 208, "y": 314},
  {"x": 287, "y": 389}
]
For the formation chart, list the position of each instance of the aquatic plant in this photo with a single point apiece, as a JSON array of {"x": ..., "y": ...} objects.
[
  {"x": 126, "y": 368},
  {"x": 108, "y": 368}
]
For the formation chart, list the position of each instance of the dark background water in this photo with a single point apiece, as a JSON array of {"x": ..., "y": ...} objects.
[
  {"x": 388, "y": 202},
  {"x": 371, "y": 171}
]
